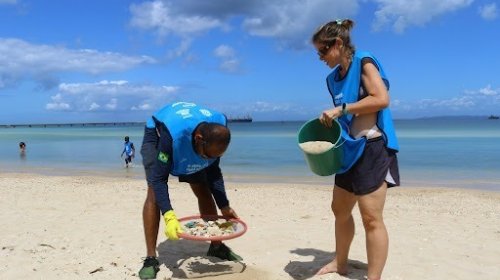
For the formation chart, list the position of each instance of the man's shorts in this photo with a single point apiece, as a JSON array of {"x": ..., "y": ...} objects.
[
  {"x": 376, "y": 165},
  {"x": 149, "y": 152}
]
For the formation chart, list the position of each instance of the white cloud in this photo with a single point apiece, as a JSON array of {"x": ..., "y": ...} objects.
[
  {"x": 403, "y": 13},
  {"x": 473, "y": 102},
  {"x": 161, "y": 16},
  {"x": 262, "y": 106},
  {"x": 224, "y": 51},
  {"x": 142, "y": 107},
  {"x": 94, "y": 106},
  {"x": 229, "y": 63},
  {"x": 488, "y": 91},
  {"x": 289, "y": 21},
  {"x": 112, "y": 105},
  {"x": 57, "y": 104},
  {"x": 22, "y": 60},
  {"x": 452, "y": 103},
  {"x": 488, "y": 11},
  {"x": 114, "y": 95}
]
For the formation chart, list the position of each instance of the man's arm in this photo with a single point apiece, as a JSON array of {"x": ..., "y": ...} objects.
[{"x": 161, "y": 170}]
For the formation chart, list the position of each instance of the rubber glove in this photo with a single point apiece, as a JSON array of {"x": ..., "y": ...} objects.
[{"x": 172, "y": 225}]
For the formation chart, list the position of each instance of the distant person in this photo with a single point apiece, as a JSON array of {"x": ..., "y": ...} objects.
[
  {"x": 22, "y": 149},
  {"x": 359, "y": 89},
  {"x": 187, "y": 141},
  {"x": 129, "y": 151}
]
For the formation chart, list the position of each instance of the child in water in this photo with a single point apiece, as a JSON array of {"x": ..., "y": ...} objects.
[{"x": 129, "y": 151}]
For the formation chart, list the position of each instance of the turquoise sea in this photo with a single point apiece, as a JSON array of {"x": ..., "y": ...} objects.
[{"x": 450, "y": 152}]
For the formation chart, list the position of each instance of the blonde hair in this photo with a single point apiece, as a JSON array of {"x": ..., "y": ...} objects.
[{"x": 329, "y": 32}]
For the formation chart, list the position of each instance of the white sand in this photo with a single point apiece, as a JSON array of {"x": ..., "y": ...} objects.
[{"x": 91, "y": 228}]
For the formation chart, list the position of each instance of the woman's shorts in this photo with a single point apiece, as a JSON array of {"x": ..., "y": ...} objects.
[{"x": 376, "y": 165}]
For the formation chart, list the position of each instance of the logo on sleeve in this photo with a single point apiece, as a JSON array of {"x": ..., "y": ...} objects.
[{"x": 163, "y": 157}]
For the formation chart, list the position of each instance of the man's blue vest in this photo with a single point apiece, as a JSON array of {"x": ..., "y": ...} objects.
[
  {"x": 347, "y": 91},
  {"x": 181, "y": 119}
]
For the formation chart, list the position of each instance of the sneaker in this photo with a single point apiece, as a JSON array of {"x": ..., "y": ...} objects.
[
  {"x": 150, "y": 268},
  {"x": 223, "y": 252}
]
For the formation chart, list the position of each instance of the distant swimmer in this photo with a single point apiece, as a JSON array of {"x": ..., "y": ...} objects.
[
  {"x": 129, "y": 151},
  {"x": 22, "y": 149}
]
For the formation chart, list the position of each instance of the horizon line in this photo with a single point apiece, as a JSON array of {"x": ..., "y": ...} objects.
[{"x": 229, "y": 120}]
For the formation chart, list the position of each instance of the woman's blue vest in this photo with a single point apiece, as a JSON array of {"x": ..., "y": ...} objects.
[
  {"x": 181, "y": 119},
  {"x": 347, "y": 91}
]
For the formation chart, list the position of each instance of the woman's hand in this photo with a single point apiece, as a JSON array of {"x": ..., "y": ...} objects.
[{"x": 328, "y": 116}]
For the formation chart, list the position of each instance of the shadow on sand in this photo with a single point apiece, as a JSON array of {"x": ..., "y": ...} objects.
[
  {"x": 301, "y": 270},
  {"x": 187, "y": 259}
]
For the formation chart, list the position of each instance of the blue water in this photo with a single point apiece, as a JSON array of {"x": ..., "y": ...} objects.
[{"x": 455, "y": 152}]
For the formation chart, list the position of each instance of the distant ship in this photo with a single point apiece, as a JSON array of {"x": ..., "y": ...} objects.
[
  {"x": 493, "y": 117},
  {"x": 240, "y": 119}
]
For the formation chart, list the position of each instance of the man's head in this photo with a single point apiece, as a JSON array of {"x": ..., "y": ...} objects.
[
  {"x": 126, "y": 138},
  {"x": 211, "y": 140}
]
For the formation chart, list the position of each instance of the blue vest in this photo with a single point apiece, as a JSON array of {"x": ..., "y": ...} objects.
[
  {"x": 347, "y": 91},
  {"x": 128, "y": 148},
  {"x": 181, "y": 120}
]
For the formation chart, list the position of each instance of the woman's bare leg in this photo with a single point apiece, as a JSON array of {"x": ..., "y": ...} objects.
[
  {"x": 342, "y": 204},
  {"x": 371, "y": 207}
]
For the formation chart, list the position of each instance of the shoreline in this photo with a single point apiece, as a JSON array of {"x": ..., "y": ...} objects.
[{"x": 137, "y": 172}]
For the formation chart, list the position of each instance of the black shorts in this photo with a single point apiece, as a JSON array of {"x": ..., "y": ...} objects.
[
  {"x": 149, "y": 152},
  {"x": 376, "y": 165}
]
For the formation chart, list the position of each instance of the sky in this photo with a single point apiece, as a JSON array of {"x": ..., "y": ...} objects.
[{"x": 117, "y": 60}]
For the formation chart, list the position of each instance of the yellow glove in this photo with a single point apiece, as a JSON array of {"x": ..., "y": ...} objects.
[{"x": 172, "y": 225}]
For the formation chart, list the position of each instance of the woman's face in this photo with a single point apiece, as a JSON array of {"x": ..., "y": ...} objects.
[{"x": 328, "y": 53}]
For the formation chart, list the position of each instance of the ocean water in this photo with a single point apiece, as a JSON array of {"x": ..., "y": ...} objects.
[{"x": 450, "y": 152}]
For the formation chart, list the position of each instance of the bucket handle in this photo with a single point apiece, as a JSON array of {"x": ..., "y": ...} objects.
[
  {"x": 336, "y": 146},
  {"x": 344, "y": 133}
]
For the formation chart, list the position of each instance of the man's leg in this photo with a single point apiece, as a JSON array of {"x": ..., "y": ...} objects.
[
  {"x": 207, "y": 206},
  {"x": 206, "y": 203},
  {"x": 151, "y": 222},
  {"x": 342, "y": 204},
  {"x": 371, "y": 207}
]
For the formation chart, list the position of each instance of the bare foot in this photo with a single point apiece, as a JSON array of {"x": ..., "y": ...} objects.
[{"x": 332, "y": 267}]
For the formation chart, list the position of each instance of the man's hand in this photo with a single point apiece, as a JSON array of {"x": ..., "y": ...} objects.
[
  {"x": 229, "y": 212},
  {"x": 172, "y": 225}
]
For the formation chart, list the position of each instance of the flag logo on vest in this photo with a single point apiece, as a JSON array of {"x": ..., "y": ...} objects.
[{"x": 163, "y": 157}]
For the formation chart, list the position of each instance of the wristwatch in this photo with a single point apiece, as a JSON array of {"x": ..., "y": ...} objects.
[{"x": 344, "y": 109}]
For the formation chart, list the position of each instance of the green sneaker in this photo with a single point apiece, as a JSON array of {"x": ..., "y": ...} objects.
[
  {"x": 150, "y": 268},
  {"x": 223, "y": 252}
]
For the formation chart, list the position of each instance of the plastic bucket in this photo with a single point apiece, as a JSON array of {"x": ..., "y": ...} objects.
[{"x": 330, "y": 161}]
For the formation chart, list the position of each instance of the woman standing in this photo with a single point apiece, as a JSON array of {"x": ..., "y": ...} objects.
[{"x": 359, "y": 89}]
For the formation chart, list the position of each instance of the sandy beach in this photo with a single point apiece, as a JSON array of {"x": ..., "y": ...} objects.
[{"x": 78, "y": 227}]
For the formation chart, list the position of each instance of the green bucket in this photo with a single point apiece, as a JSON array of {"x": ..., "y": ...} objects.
[{"x": 330, "y": 161}]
